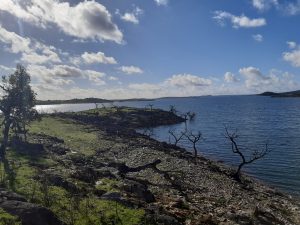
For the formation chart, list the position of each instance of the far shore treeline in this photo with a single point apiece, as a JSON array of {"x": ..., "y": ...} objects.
[
  {"x": 86, "y": 100},
  {"x": 100, "y": 100}
]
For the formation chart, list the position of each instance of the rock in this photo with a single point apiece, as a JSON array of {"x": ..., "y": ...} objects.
[
  {"x": 267, "y": 217},
  {"x": 160, "y": 219},
  {"x": 138, "y": 190},
  {"x": 8, "y": 196},
  {"x": 28, "y": 213},
  {"x": 114, "y": 196}
]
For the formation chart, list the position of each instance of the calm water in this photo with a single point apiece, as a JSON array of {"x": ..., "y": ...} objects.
[{"x": 258, "y": 120}]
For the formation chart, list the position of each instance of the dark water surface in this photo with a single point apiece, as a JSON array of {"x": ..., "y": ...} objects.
[{"x": 258, "y": 120}]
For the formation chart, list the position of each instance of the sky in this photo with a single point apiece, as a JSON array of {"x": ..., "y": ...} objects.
[{"x": 119, "y": 49}]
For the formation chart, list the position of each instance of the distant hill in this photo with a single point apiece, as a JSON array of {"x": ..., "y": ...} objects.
[
  {"x": 87, "y": 100},
  {"x": 73, "y": 101},
  {"x": 283, "y": 94}
]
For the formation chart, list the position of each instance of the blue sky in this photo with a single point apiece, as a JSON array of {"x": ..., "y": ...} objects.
[{"x": 152, "y": 48}]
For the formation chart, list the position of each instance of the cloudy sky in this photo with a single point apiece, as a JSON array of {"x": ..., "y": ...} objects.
[{"x": 152, "y": 48}]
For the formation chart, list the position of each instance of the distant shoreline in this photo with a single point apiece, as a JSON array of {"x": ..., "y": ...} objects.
[{"x": 86, "y": 101}]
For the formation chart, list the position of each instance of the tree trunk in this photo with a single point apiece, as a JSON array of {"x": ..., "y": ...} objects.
[
  {"x": 238, "y": 172},
  {"x": 195, "y": 151},
  {"x": 5, "y": 140}
]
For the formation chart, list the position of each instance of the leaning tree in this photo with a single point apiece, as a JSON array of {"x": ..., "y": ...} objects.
[
  {"x": 17, "y": 105},
  {"x": 256, "y": 154}
]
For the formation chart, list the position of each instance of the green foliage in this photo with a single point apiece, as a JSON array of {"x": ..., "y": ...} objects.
[
  {"x": 8, "y": 219},
  {"x": 17, "y": 104}
]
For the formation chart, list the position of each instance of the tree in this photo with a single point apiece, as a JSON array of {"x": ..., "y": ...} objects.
[
  {"x": 17, "y": 105},
  {"x": 194, "y": 138},
  {"x": 176, "y": 137},
  {"x": 256, "y": 154},
  {"x": 173, "y": 109}
]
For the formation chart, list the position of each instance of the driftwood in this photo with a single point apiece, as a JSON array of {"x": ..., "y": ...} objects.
[{"x": 124, "y": 169}]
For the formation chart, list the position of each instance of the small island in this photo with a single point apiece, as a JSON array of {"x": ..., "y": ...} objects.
[{"x": 282, "y": 94}]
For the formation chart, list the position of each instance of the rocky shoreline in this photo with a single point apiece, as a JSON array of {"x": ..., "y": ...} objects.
[{"x": 163, "y": 180}]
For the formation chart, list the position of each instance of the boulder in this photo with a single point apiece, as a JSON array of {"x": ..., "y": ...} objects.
[{"x": 28, "y": 213}]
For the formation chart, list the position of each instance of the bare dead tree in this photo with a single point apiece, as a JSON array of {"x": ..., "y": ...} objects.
[
  {"x": 255, "y": 155},
  {"x": 176, "y": 137},
  {"x": 194, "y": 138},
  {"x": 173, "y": 109},
  {"x": 191, "y": 115},
  {"x": 150, "y": 106}
]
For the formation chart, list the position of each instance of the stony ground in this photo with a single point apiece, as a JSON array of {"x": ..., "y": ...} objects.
[{"x": 97, "y": 155}]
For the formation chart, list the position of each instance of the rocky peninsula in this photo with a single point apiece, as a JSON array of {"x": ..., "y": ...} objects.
[{"x": 92, "y": 167}]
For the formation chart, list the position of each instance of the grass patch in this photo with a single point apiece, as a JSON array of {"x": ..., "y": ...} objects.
[
  {"x": 108, "y": 185},
  {"x": 76, "y": 136},
  {"x": 8, "y": 219}
]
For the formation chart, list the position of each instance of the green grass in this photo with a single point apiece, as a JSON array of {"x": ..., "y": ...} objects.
[
  {"x": 77, "y": 137},
  {"x": 70, "y": 208},
  {"x": 108, "y": 185},
  {"x": 8, "y": 219}
]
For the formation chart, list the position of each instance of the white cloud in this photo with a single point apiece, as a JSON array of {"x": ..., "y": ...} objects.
[
  {"x": 287, "y": 7},
  {"x": 32, "y": 51},
  {"x": 162, "y": 2},
  {"x": 264, "y": 4},
  {"x": 113, "y": 78},
  {"x": 292, "y": 8},
  {"x": 274, "y": 81},
  {"x": 238, "y": 21},
  {"x": 131, "y": 70},
  {"x": 291, "y": 44},
  {"x": 258, "y": 37},
  {"x": 6, "y": 69},
  {"x": 86, "y": 20},
  {"x": 64, "y": 74},
  {"x": 230, "y": 77},
  {"x": 293, "y": 56},
  {"x": 184, "y": 80},
  {"x": 98, "y": 57},
  {"x": 133, "y": 16},
  {"x": 96, "y": 77}
]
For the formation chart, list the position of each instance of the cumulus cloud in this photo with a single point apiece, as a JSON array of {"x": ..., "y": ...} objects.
[
  {"x": 63, "y": 75},
  {"x": 230, "y": 77},
  {"x": 258, "y": 37},
  {"x": 86, "y": 20},
  {"x": 287, "y": 7},
  {"x": 32, "y": 51},
  {"x": 293, "y": 56},
  {"x": 238, "y": 21},
  {"x": 274, "y": 81},
  {"x": 131, "y": 70},
  {"x": 264, "y": 4},
  {"x": 96, "y": 77},
  {"x": 98, "y": 57},
  {"x": 162, "y": 2},
  {"x": 184, "y": 80},
  {"x": 132, "y": 17}
]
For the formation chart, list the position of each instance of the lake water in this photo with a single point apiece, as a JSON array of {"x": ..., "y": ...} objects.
[{"x": 258, "y": 119}]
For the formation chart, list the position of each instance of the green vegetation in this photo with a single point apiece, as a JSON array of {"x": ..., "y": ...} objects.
[
  {"x": 78, "y": 137},
  {"x": 8, "y": 219},
  {"x": 73, "y": 208},
  {"x": 108, "y": 185}
]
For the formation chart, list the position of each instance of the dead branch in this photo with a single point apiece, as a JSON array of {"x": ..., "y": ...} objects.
[{"x": 256, "y": 154}]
